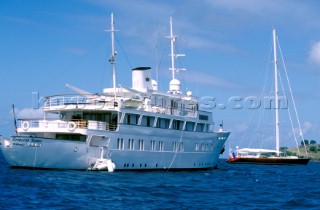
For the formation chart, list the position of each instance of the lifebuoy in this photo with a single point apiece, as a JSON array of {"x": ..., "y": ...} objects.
[
  {"x": 25, "y": 125},
  {"x": 71, "y": 126}
]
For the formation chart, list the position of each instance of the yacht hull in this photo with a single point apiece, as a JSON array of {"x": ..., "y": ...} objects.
[
  {"x": 269, "y": 161},
  {"x": 31, "y": 152}
]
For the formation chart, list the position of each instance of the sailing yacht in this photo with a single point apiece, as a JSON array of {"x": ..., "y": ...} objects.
[
  {"x": 122, "y": 128},
  {"x": 267, "y": 156}
]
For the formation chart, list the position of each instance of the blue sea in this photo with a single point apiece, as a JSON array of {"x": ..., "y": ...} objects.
[{"x": 228, "y": 187}]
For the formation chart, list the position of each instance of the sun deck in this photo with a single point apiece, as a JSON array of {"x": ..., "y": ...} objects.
[{"x": 158, "y": 104}]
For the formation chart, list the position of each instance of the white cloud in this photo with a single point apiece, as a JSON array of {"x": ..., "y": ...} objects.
[
  {"x": 315, "y": 54},
  {"x": 29, "y": 113},
  {"x": 207, "y": 79}
]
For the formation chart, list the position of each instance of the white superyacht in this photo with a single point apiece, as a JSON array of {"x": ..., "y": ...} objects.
[{"x": 137, "y": 128}]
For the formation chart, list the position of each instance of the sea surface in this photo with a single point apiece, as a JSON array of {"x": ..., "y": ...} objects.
[{"x": 228, "y": 187}]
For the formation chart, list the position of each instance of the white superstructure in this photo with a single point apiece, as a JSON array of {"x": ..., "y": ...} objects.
[{"x": 137, "y": 128}]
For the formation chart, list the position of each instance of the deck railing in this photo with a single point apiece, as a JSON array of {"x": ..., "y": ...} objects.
[
  {"x": 55, "y": 124},
  {"x": 91, "y": 102},
  {"x": 65, "y": 101}
]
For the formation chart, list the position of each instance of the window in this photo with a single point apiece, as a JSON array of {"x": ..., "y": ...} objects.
[
  {"x": 177, "y": 146},
  {"x": 72, "y": 137},
  {"x": 197, "y": 147},
  {"x": 163, "y": 123},
  {"x": 160, "y": 145},
  {"x": 141, "y": 145},
  {"x": 104, "y": 117},
  {"x": 181, "y": 147},
  {"x": 200, "y": 127},
  {"x": 177, "y": 125},
  {"x": 190, "y": 126},
  {"x": 128, "y": 119},
  {"x": 174, "y": 146},
  {"x": 203, "y": 117},
  {"x": 131, "y": 144},
  {"x": 131, "y": 119},
  {"x": 153, "y": 145},
  {"x": 120, "y": 144},
  {"x": 147, "y": 121}
]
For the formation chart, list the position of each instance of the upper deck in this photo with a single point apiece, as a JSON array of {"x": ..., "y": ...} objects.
[{"x": 175, "y": 105}]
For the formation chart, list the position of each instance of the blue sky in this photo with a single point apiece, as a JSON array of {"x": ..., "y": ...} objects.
[{"x": 47, "y": 44}]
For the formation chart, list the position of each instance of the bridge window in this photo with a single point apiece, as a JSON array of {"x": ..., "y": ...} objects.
[
  {"x": 163, "y": 123},
  {"x": 147, "y": 121},
  {"x": 190, "y": 126},
  {"x": 131, "y": 119},
  {"x": 203, "y": 117},
  {"x": 71, "y": 137},
  {"x": 200, "y": 127},
  {"x": 177, "y": 124}
]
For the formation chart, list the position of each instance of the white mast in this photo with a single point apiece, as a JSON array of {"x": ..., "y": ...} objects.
[
  {"x": 113, "y": 55},
  {"x": 276, "y": 92},
  {"x": 174, "y": 86},
  {"x": 172, "y": 40}
]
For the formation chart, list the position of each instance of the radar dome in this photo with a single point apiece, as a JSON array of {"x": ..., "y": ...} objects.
[{"x": 175, "y": 85}]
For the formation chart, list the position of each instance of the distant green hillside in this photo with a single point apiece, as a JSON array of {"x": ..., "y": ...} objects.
[{"x": 313, "y": 151}]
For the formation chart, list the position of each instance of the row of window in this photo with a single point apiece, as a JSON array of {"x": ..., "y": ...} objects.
[
  {"x": 71, "y": 137},
  {"x": 159, "y": 122},
  {"x": 204, "y": 147},
  {"x": 146, "y": 121},
  {"x": 159, "y": 145},
  {"x": 154, "y": 146}
]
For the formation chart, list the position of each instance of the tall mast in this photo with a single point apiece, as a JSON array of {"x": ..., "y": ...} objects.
[
  {"x": 113, "y": 55},
  {"x": 174, "y": 86},
  {"x": 276, "y": 92},
  {"x": 172, "y": 40}
]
